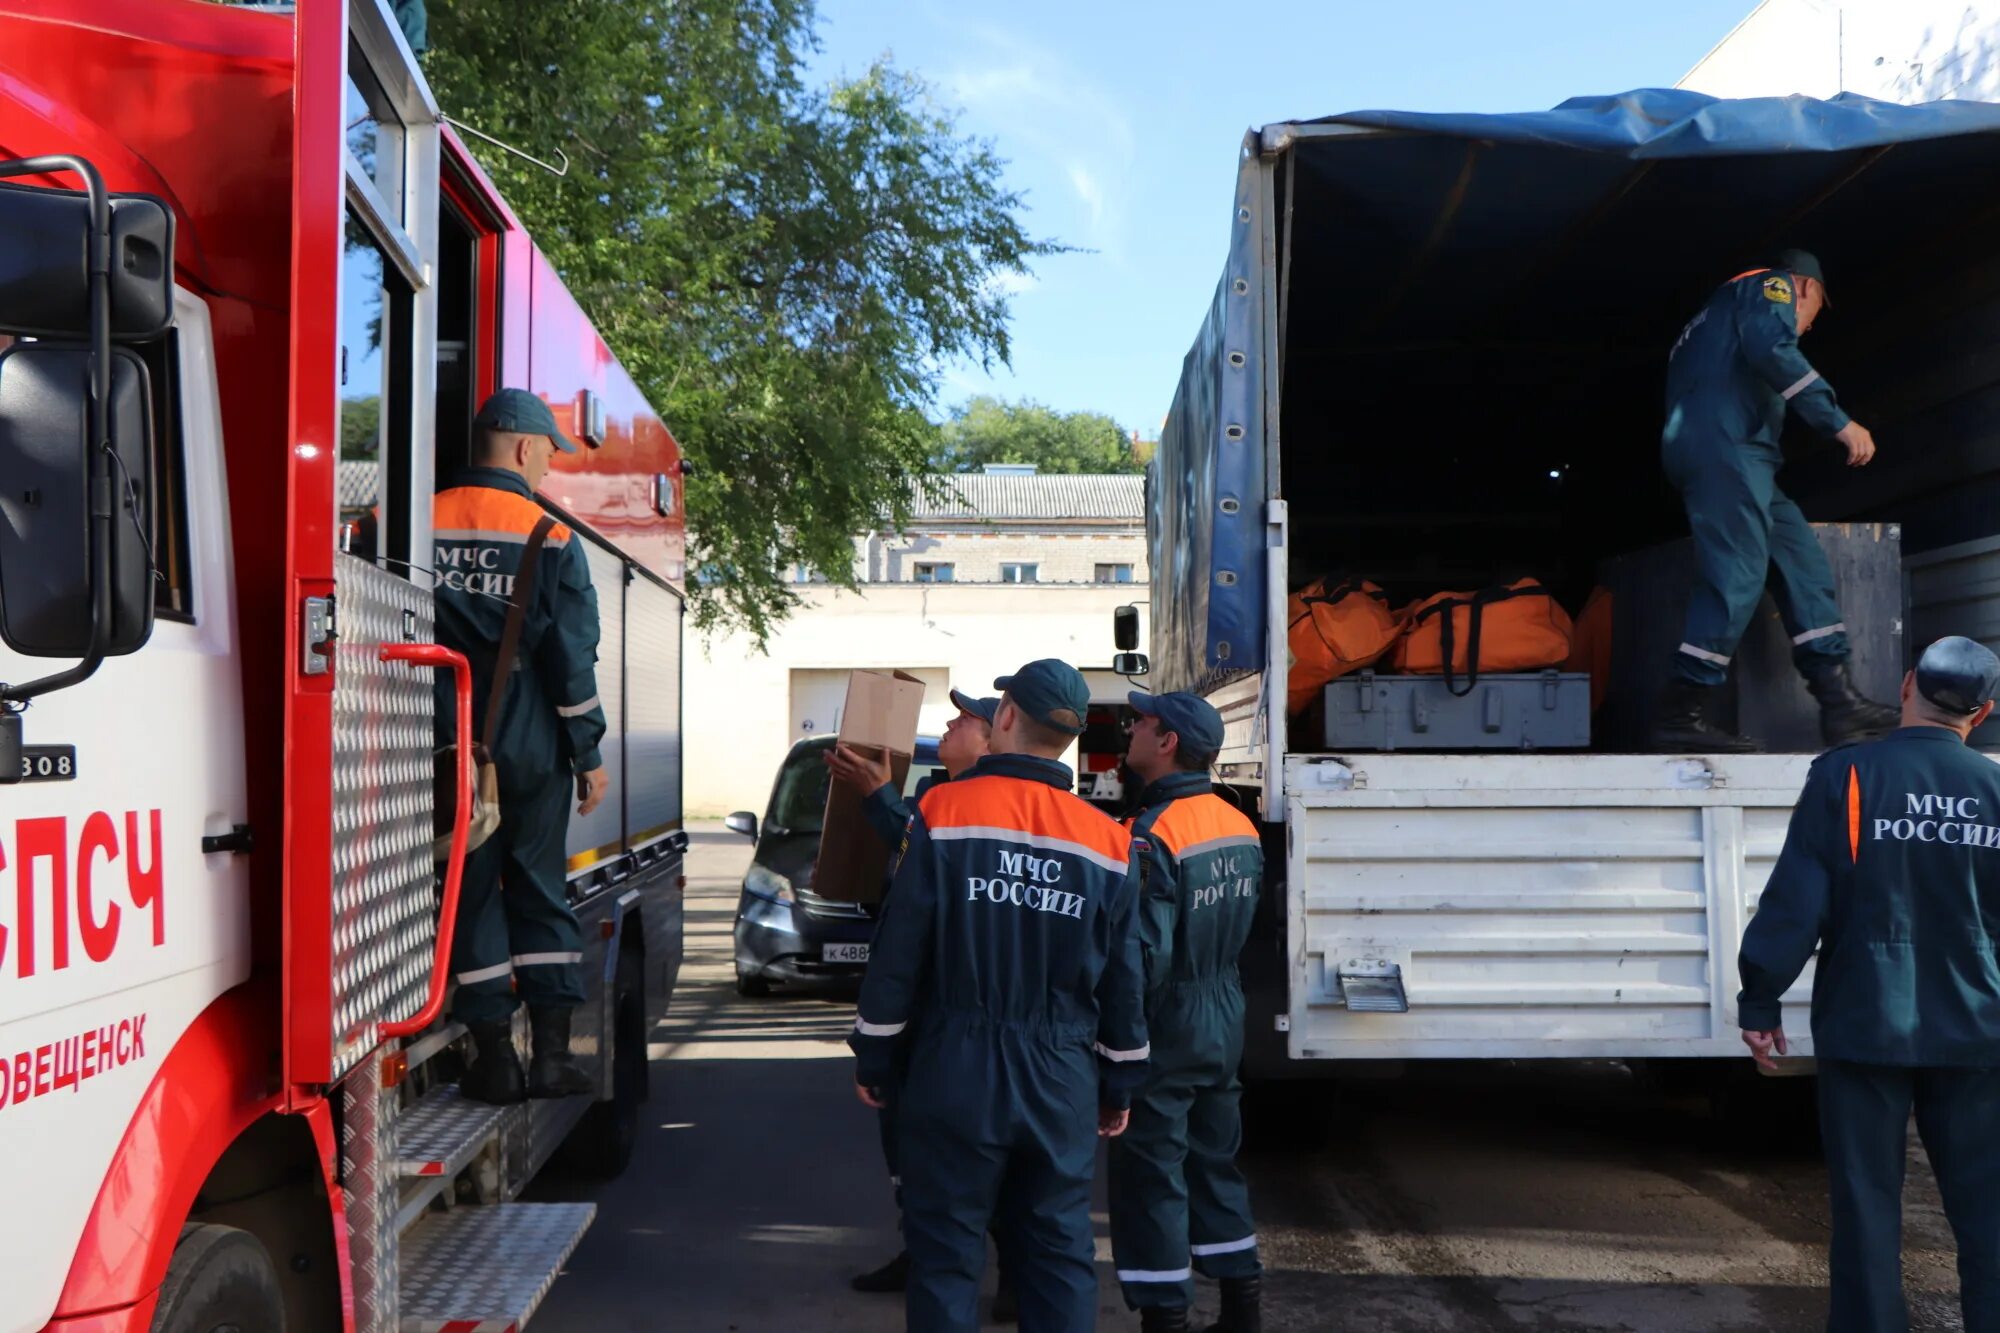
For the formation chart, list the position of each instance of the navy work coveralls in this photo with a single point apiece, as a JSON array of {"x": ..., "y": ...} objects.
[
  {"x": 1178, "y": 1201},
  {"x": 516, "y": 932},
  {"x": 1730, "y": 376},
  {"x": 1892, "y": 867},
  {"x": 1006, "y": 980},
  {"x": 888, "y": 813}
]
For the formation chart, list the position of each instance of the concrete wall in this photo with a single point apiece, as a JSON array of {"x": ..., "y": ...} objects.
[
  {"x": 744, "y": 709},
  {"x": 1895, "y": 50}
]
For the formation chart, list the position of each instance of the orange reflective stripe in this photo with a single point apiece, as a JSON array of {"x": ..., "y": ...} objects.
[
  {"x": 1853, "y": 813},
  {"x": 1197, "y": 819},
  {"x": 1028, "y": 807},
  {"x": 1747, "y": 273},
  {"x": 486, "y": 509}
]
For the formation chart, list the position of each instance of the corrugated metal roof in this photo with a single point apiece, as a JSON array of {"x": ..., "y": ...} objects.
[{"x": 1097, "y": 497}]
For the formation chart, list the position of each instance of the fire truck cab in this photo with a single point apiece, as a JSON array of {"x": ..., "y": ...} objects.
[{"x": 252, "y": 287}]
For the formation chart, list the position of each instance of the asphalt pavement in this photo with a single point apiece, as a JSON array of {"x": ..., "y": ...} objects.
[{"x": 1519, "y": 1197}]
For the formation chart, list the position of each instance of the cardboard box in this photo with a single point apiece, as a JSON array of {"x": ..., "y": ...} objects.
[{"x": 880, "y": 715}]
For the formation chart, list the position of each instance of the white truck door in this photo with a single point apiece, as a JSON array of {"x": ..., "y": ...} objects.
[{"x": 116, "y": 928}]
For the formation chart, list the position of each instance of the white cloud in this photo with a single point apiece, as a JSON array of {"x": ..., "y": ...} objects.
[
  {"x": 1008, "y": 283},
  {"x": 1045, "y": 107}
]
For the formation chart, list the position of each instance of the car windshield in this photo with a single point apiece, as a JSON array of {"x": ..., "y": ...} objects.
[{"x": 799, "y": 804}]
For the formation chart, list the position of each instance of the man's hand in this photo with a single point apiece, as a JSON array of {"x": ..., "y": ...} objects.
[
  {"x": 1110, "y": 1123},
  {"x": 590, "y": 789},
  {"x": 1762, "y": 1044},
  {"x": 871, "y": 1097},
  {"x": 1860, "y": 444},
  {"x": 866, "y": 772}
]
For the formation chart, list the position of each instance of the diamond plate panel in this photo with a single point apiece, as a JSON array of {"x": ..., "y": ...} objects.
[
  {"x": 444, "y": 1131},
  {"x": 384, "y": 920},
  {"x": 491, "y": 1263},
  {"x": 368, "y": 1179}
]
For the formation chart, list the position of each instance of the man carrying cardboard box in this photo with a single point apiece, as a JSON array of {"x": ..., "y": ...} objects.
[
  {"x": 1006, "y": 979},
  {"x": 963, "y": 744}
]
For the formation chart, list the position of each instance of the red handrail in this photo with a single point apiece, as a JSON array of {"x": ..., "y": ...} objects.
[{"x": 431, "y": 655}]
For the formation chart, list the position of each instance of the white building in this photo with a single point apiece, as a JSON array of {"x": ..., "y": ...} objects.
[
  {"x": 1895, "y": 50},
  {"x": 1006, "y": 568}
]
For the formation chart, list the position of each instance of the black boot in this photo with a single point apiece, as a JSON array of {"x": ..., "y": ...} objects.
[
  {"x": 1682, "y": 725},
  {"x": 890, "y": 1277},
  {"x": 495, "y": 1075},
  {"x": 1242, "y": 1306},
  {"x": 1164, "y": 1319},
  {"x": 552, "y": 1070},
  {"x": 1846, "y": 714}
]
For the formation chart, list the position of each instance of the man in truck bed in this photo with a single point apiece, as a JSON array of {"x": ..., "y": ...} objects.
[{"x": 1730, "y": 376}]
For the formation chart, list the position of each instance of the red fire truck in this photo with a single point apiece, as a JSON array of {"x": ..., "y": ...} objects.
[{"x": 252, "y": 285}]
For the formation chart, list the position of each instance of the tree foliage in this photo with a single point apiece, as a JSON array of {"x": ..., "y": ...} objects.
[
  {"x": 985, "y": 430},
  {"x": 784, "y": 269}
]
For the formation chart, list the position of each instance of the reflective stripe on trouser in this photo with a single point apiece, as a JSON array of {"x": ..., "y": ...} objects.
[
  {"x": 517, "y": 940},
  {"x": 1179, "y": 1205},
  {"x": 1864, "y": 1120},
  {"x": 1748, "y": 535},
  {"x": 996, "y": 1125}
]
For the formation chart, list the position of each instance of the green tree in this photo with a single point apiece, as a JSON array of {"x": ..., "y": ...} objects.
[
  {"x": 986, "y": 430},
  {"x": 785, "y": 270}
]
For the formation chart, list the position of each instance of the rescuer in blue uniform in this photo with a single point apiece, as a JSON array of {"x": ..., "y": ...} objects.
[
  {"x": 1892, "y": 868},
  {"x": 517, "y": 939},
  {"x": 963, "y": 744},
  {"x": 1006, "y": 982},
  {"x": 1178, "y": 1202},
  {"x": 1731, "y": 375}
]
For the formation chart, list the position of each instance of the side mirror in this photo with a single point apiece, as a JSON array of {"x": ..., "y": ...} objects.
[
  {"x": 45, "y": 272},
  {"x": 1131, "y": 664},
  {"x": 1125, "y": 628},
  {"x": 45, "y": 469},
  {"x": 742, "y": 822}
]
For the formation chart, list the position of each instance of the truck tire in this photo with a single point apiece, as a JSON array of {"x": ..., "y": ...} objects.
[
  {"x": 601, "y": 1144},
  {"x": 221, "y": 1280}
]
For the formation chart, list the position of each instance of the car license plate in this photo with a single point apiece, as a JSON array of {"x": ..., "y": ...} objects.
[{"x": 846, "y": 953}]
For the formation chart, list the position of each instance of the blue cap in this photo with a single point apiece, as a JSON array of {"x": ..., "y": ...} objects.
[
  {"x": 1188, "y": 716},
  {"x": 1050, "y": 691},
  {"x": 983, "y": 709},
  {"x": 1804, "y": 264},
  {"x": 1958, "y": 674},
  {"x": 523, "y": 413}
]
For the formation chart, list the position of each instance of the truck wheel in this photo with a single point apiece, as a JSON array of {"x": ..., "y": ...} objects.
[
  {"x": 601, "y": 1144},
  {"x": 221, "y": 1280}
]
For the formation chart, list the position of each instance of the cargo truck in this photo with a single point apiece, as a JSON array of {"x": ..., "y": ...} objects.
[{"x": 1436, "y": 358}]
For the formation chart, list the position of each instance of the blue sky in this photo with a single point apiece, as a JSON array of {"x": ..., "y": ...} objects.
[{"x": 1120, "y": 122}]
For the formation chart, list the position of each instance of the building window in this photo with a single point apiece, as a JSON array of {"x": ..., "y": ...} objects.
[
  {"x": 933, "y": 573},
  {"x": 1012, "y": 573},
  {"x": 1114, "y": 573}
]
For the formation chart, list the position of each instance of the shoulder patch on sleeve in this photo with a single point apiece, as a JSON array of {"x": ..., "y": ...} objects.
[{"x": 1778, "y": 289}]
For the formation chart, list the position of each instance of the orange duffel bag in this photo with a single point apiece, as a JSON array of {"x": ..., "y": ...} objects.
[
  {"x": 1458, "y": 635},
  {"x": 1337, "y": 626}
]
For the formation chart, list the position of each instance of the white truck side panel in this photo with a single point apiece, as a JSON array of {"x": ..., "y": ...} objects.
[
  {"x": 81, "y": 948},
  {"x": 602, "y": 833},
  {"x": 653, "y": 714},
  {"x": 1553, "y": 906}
]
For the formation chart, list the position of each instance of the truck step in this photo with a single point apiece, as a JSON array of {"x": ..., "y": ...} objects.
[
  {"x": 443, "y": 1132},
  {"x": 485, "y": 1270}
]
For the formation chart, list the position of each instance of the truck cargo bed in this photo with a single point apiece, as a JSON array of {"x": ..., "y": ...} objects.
[{"x": 1583, "y": 906}]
